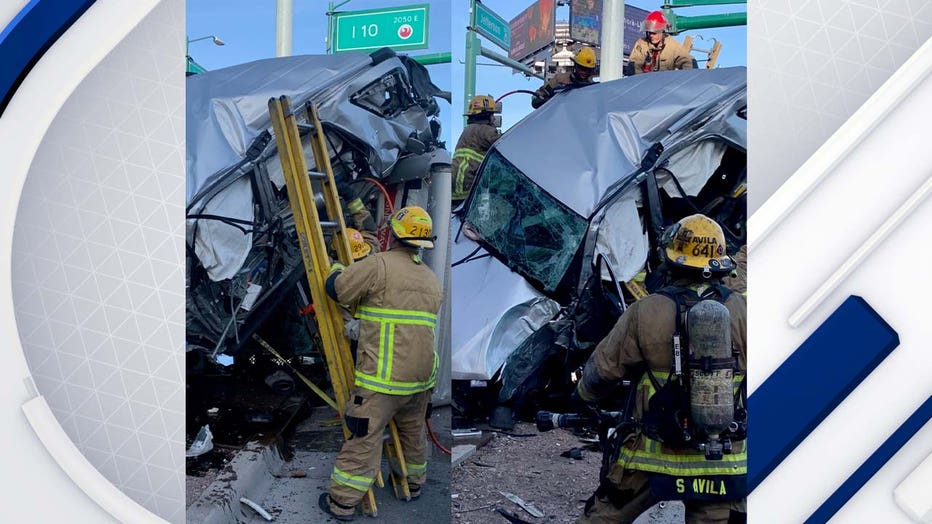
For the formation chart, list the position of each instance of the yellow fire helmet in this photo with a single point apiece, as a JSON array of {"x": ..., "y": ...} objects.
[
  {"x": 413, "y": 226},
  {"x": 359, "y": 248},
  {"x": 585, "y": 58},
  {"x": 483, "y": 104},
  {"x": 697, "y": 242}
]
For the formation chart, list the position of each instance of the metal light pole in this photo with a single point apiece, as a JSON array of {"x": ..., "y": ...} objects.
[
  {"x": 284, "y": 24},
  {"x": 188, "y": 41},
  {"x": 613, "y": 39}
]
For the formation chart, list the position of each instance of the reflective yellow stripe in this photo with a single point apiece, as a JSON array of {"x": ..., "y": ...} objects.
[
  {"x": 468, "y": 154},
  {"x": 684, "y": 465},
  {"x": 651, "y": 459},
  {"x": 397, "y": 316},
  {"x": 384, "y": 328},
  {"x": 389, "y": 351},
  {"x": 388, "y": 319},
  {"x": 416, "y": 469},
  {"x": 459, "y": 185},
  {"x": 351, "y": 481},
  {"x": 661, "y": 377},
  {"x": 394, "y": 387},
  {"x": 465, "y": 155}
]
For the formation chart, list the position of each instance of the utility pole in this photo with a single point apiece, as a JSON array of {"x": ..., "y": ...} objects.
[
  {"x": 613, "y": 40},
  {"x": 284, "y": 23}
]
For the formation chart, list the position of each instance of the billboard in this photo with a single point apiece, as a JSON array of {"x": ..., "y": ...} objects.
[
  {"x": 532, "y": 29},
  {"x": 586, "y": 23}
]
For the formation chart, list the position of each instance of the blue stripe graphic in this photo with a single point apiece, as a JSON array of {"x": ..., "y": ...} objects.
[
  {"x": 872, "y": 465},
  {"x": 29, "y": 35},
  {"x": 813, "y": 381}
]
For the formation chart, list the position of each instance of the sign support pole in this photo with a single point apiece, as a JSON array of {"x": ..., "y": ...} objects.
[{"x": 472, "y": 53}]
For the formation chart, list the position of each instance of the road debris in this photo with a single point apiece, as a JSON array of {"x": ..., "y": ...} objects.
[
  {"x": 203, "y": 443},
  {"x": 257, "y": 508},
  {"x": 524, "y": 505}
]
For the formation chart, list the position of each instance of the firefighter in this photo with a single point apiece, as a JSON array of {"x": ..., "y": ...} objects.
[
  {"x": 658, "y": 51},
  {"x": 645, "y": 338},
  {"x": 399, "y": 298},
  {"x": 480, "y": 133},
  {"x": 582, "y": 75},
  {"x": 363, "y": 222},
  {"x": 360, "y": 247}
]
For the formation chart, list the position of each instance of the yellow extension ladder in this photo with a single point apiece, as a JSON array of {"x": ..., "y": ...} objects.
[{"x": 310, "y": 230}]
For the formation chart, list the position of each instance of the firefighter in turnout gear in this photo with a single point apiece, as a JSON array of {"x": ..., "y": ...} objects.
[
  {"x": 363, "y": 223},
  {"x": 582, "y": 74},
  {"x": 480, "y": 133},
  {"x": 396, "y": 368},
  {"x": 657, "y": 346},
  {"x": 658, "y": 51}
]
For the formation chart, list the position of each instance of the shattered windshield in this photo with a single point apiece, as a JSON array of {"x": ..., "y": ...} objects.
[{"x": 534, "y": 233}]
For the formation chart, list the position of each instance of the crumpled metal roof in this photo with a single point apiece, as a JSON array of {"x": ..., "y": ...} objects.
[
  {"x": 228, "y": 108},
  {"x": 583, "y": 140}
]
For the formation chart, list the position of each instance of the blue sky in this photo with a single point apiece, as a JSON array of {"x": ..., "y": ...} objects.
[
  {"x": 248, "y": 29},
  {"x": 496, "y": 80}
]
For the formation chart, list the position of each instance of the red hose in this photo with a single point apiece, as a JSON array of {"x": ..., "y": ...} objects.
[
  {"x": 509, "y": 93},
  {"x": 388, "y": 199},
  {"x": 437, "y": 443}
]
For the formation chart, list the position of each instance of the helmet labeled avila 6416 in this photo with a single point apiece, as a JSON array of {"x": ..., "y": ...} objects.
[{"x": 697, "y": 242}]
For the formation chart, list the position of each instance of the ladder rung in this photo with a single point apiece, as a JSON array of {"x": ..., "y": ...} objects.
[
  {"x": 331, "y": 225},
  {"x": 306, "y": 127},
  {"x": 315, "y": 175}
]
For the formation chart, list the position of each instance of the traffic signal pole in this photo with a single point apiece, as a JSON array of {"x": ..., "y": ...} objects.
[
  {"x": 694, "y": 3},
  {"x": 686, "y": 23},
  {"x": 474, "y": 49}
]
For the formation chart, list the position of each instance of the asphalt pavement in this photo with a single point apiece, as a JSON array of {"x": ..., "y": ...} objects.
[{"x": 294, "y": 500}]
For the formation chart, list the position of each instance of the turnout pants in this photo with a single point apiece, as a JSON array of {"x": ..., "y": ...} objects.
[
  {"x": 626, "y": 494},
  {"x": 359, "y": 461}
]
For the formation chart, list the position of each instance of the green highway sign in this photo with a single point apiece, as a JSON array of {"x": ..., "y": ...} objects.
[
  {"x": 493, "y": 27},
  {"x": 401, "y": 28}
]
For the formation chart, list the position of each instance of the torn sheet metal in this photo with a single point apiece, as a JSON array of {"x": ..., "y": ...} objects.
[
  {"x": 621, "y": 240},
  {"x": 493, "y": 315}
]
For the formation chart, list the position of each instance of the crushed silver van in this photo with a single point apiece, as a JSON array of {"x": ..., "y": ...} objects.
[{"x": 561, "y": 227}]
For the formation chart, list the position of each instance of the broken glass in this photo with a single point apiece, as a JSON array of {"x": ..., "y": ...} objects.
[
  {"x": 386, "y": 96},
  {"x": 534, "y": 233}
]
